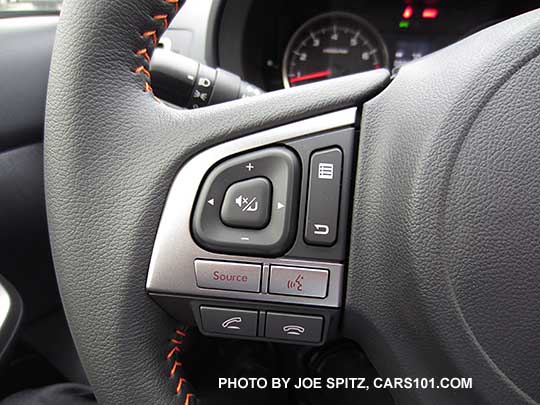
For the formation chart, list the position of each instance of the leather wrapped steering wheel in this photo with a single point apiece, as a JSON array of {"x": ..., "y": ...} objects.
[{"x": 444, "y": 248}]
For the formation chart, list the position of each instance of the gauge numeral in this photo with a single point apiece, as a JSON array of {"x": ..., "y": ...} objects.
[
  {"x": 316, "y": 41},
  {"x": 334, "y": 36},
  {"x": 302, "y": 56},
  {"x": 354, "y": 40}
]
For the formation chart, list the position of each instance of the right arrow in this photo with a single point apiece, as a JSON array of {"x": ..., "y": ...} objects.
[{"x": 280, "y": 205}]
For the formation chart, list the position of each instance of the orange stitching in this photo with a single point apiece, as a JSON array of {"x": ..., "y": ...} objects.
[
  {"x": 174, "y": 350},
  {"x": 148, "y": 88},
  {"x": 164, "y": 18},
  {"x": 151, "y": 34},
  {"x": 177, "y": 364},
  {"x": 179, "y": 385},
  {"x": 144, "y": 52},
  {"x": 188, "y": 396},
  {"x": 143, "y": 70},
  {"x": 175, "y": 2},
  {"x": 173, "y": 369}
]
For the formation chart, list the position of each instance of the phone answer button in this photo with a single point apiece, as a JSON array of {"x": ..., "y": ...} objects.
[{"x": 229, "y": 321}]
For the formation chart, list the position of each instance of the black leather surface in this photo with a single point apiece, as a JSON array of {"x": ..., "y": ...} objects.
[
  {"x": 111, "y": 152},
  {"x": 443, "y": 277}
]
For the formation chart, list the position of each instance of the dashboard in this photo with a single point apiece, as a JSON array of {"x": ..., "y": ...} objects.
[{"x": 290, "y": 43}]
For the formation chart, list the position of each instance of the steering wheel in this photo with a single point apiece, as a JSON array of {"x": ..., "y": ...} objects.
[{"x": 442, "y": 272}]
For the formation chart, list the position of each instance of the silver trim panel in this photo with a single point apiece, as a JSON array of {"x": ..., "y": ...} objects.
[
  {"x": 5, "y": 306},
  {"x": 172, "y": 263}
]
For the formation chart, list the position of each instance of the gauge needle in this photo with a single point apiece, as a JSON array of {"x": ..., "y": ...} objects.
[{"x": 310, "y": 76}]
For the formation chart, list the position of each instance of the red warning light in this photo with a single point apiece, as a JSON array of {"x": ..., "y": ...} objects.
[
  {"x": 430, "y": 13},
  {"x": 407, "y": 13}
]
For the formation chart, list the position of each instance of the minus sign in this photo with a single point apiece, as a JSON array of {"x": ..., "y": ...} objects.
[{"x": 244, "y": 238}]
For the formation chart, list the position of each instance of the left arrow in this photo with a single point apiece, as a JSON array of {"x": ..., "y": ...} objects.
[{"x": 211, "y": 201}]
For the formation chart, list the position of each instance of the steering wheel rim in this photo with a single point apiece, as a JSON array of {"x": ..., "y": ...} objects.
[{"x": 112, "y": 150}]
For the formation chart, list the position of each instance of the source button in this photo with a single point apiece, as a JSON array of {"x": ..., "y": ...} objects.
[{"x": 228, "y": 275}]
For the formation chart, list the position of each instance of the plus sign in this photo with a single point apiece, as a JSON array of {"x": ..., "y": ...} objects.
[{"x": 250, "y": 167}]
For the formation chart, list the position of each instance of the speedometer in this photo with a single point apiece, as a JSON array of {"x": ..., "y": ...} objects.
[{"x": 332, "y": 45}]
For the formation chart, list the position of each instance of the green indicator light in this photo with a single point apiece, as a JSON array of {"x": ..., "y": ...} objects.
[{"x": 404, "y": 24}]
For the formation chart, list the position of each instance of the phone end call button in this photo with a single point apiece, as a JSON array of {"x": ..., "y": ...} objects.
[
  {"x": 229, "y": 321},
  {"x": 302, "y": 328}
]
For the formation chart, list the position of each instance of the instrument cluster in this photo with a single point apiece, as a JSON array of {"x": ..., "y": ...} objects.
[{"x": 285, "y": 44}]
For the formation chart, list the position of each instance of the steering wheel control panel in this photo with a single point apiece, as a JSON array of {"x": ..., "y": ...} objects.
[
  {"x": 268, "y": 220},
  {"x": 257, "y": 204},
  {"x": 248, "y": 204}
]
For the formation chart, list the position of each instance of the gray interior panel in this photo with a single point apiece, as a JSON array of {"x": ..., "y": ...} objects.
[{"x": 25, "y": 48}]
